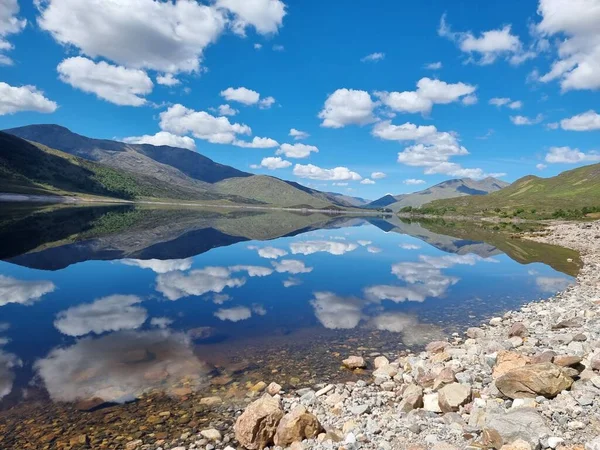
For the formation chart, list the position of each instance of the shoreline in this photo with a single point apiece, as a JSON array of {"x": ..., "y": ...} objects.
[{"x": 526, "y": 380}]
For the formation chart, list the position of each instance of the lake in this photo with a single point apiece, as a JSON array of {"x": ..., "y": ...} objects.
[{"x": 104, "y": 305}]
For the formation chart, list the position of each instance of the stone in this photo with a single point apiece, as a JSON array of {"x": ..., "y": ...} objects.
[
  {"x": 446, "y": 376},
  {"x": 490, "y": 438},
  {"x": 519, "y": 444},
  {"x": 297, "y": 425},
  {"x": 593, "y": 444},
  {"x": 256, "y": 427},
  {"x": 259, "y": 387},
  {"x": 325, "y": 390},
  {"x": 210, "y": 401},
  {"x": 436, "y": 346},
  {"x": 543, "y": 357},
  {"x": 495, "y": 321},
  {"x": 297, "y": 446},
  {"x": 569, "y": 323},
  {"x": 530, "y": 381},
  {"x": 554, "y": 441},
  {"x": 354, "y": 362},
  {"x": 81, "y": 440},
  {"x": 522, "y": 423},
  {"x": 515, "y": 341},
  {"x": 595, "y": 363},
  {"x": 211, "y": 434},
  {"x": 518, "y": 329},
  {"x": 273, "y": 388},
  {"x": 475, "y": 333},
  {"x": 567, "y": 361},
  {"x": 453, "y": 396},
  {"x": 431, "y": 403},
  {"x": 380, "y": 361},
  {"x": 132, "y": 445},
  {"x": 388, "y": 371},
  {"x": 412, "y": 398},
  {"x": 507, "y": 361}
]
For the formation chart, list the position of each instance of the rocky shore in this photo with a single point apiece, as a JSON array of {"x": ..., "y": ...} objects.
[{"x": 527, "y": 380}]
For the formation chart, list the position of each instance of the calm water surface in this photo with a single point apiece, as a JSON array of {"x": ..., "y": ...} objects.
[{"x": 111, "y": 303}]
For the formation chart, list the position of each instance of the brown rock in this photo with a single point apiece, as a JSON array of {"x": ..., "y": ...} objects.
[
  {"x": 436, "y": 346},
  {"x": 530, "y": 381},
  {"x": 569, "y": 323},
  {"x": 211, "y": 401},
  {"x": 453, "y": 396},
  {"x": 507, "y": 361},
  {"x": 354, "y": 362},
  {"x": 474, "y": 333},
  {"x": 518, "y": 329},
  {"x": 567, "y": 361},
  {"x": 543, "y": 357},
  {"x": 595, "y": 363},
  {"x": 519, "y": 444},
  {"x": 273, "y": 388},
  {"x": 297, "y": 425},
  {"x": 490, "y": 438},
  {"x": 81, "y": 440},
  {"x": 446, "y": 376},
  {"x": 256, "y": 427},
  {"x": 412, "y": 398}
]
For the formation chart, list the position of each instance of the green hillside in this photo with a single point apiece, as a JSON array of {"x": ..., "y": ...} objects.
[
  {"x": 571, "y": 194},
  {"x": 31, "y": 168},
  {"x": 269, "y": 190}
]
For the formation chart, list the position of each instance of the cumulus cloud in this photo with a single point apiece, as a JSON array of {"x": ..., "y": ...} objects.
[
  {"x": 227, "y": 110},
  {"x": 8, "y": 362},
  {"x": 25, "y": 98},
  {"x": 160, "y": 266},
  {"x": 367, "y": 181},
  {"x": 266, "y": 102},
  {"x": 167, "y": 80},
  {"x": 266, "y": 16},
  {"x": 115, "y": 84},
  {"x": 113, "y": 313},
  {"x": 161, "y": 322},
  {"x": 163, "y": 138},
  {"x": 297, "y": 150},
  {"x": 410, "y": 246},
  {"x": 176, "y": 285},
  {"x": 121, "y": 366},
  {"x": 524, "y": 120},
  {"x": 291, "y": 282},
  {"x": 257, "y": 142},
  {"x": 505, "y": 101},
  {"x": 429, "y": 92},
  {"x": 336, "y": 312},
  {"x": 181, "y": 121},
  {"x": 413, "y": 181},
  {"x": 552, "y": 284},
  {"x": 574, "y": 27},
  {"x": 434, "y": 65},
  {"x": 25, "y": 292},
  {"x": 347, "y": 107},
  {"x": 10, "y": 23},
  {"x": 331, "y": 247},
  {"x": 568, "y": 155},
  {"x": 373, "y": 249},
  {"x": 292, "y": 266},
  {"x": 272, "y": 163},
  {"x": 397, "y": 294},
  {"x": 489, "y": 45},
  {"x": 298, "y": 135},
  {"x": 269, "y": 252},
  {"x": 378, "y": 175},
  {"x": 541, "y": 166},
  {"x": 252, "y": 271},
  {"x": 234, "y": 314},
  {"x": 241, "y": 95},
  {"x": 373, "y": 57},
  {"x": 316, "y": 173},
  {"x": 586, "y": 121}
]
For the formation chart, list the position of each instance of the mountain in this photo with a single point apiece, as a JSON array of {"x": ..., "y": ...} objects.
[
  {"x": 357, "y": 202},
  {"x": 576, "y": 190},
  {"x": 156, "y": 171},
  {"x": 447, "y": 189}
]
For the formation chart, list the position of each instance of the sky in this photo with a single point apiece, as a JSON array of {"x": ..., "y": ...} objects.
[{"x": 364, "y": 98}]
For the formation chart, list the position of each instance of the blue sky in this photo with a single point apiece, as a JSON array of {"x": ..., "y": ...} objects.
[{"x": 420, "y": 92}]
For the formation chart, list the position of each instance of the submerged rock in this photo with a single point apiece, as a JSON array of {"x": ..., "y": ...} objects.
[{"x": 354, "y": 362}]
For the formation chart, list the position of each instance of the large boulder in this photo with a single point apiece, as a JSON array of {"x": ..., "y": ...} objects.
[
  {"x": 522, "y": 423},
  {"x": 412, "y": 398},
  {"x": 507, "y": 361},
  {"x": 545, "y": 379},
  {"x": 296, "y": 426},
  {"x": 452, "y": 396},
  {"x": 256, "y": 427}
]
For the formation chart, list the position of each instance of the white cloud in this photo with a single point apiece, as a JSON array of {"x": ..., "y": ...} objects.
[
  {"x": 331, "y": 247},
  {"x": 234, "y": 314},
  {"x": 266, "y": 16},
  {"x": 241, "y": 95},
  {"x": 298, "y": 135},
  {"x": 257, "y": 46},
  {"x": 373, "y": 249},
  {"x": 278, "y": 48},
  {"x": 8, "y": 362},
  {"x": 115, "y": 84},
  {"x": 413, "y": 181},
  {"x": 364, "y": 243},
  {"x": 113, "y": 313},
  {"x": 574, "y": 25},
  {"x": 219, "y": 299},
  {"x": 161, "y": 322},
  {"x": 316, "y": 173},
  {"x": 586, "y": 121},
  {"x": 167, "y": 80},
  {"x": 266, "y": 103},
  {"x": 373, "y": 57},
  {"x": 143, "y": 34},
  {"x": 434, "y": 65},
  {"x": 552, "y": 126},
  {"x": 217, "y": 130},
  {"x": 272, "y": 163},
  {"x": 25, "y": 292},
  {"x": 518, "y": 104},
  {"x": 378, "y": 175},
  {"x": 410, "y": 246},
  {"x": 469, "y": 100},
  {"x": 257, "y": 142},
  {"x": 347, "y": 107},
  {"x": 121, "y": 366},
  {"x": 291, "y": 282},
  {"x": 252, "y": 271},
  {"x": 541, "y": 166},
  {"x": 524, "y": 120},
  {"x": 489, "y": 46},
  {"x": 335, "y": 312},
  {"x": 9, "y": 24},
  {"x": 160, "y": 266},
  {"x": 505, "y": 101},
  {"x": 429, "y": 92},
  {"x": 397, "y": 294},
  {"x": 25, "y": 98},
  {"x": 269, "y": 252},
  {"x": 297, "y": 150},
  {"x": 292, "y": 266},
  {"x": 176, "y": 285},
  {"x": 226, "y": 110},
  {"x": 367, "y": 181},
  {"x": 552, "y": 284},
  {"x": 163, "y": 138},
  {"x": 568, "y": 155}
]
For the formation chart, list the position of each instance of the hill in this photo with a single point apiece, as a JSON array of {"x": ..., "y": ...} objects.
[
  {"x": 447, "y": 189},
  {"x": 31, "y": 168},
  {"x": 570, "y": 194}
]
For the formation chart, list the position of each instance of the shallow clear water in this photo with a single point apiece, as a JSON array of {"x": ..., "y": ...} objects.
[{"x": 109, "y": 303}]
